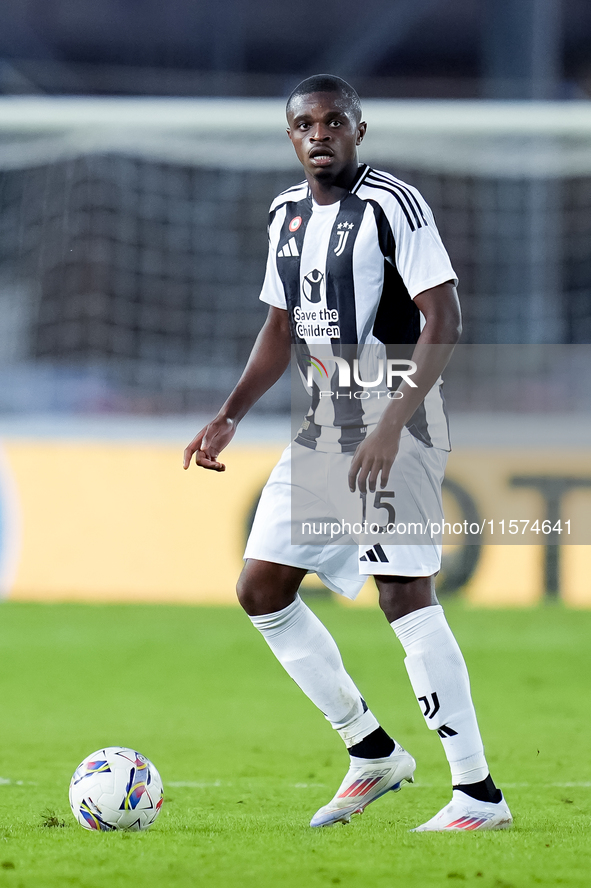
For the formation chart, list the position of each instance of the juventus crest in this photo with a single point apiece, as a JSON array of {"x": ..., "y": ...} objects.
[{"x": 343, "y": 230}]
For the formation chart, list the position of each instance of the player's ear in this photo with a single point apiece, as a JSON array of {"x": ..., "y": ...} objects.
[
  {"x": 288, "y": 131},
  {"x": 361, "y": 131}
]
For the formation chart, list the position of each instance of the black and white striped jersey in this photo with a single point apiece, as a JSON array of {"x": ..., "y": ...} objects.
[{"x": 347, "y": 274}]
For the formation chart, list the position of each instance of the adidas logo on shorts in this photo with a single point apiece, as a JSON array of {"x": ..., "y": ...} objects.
[{"x": 375, "y": 554}]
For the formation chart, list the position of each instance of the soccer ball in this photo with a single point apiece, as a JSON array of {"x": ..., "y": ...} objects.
[{"x": 116, "y": 788}]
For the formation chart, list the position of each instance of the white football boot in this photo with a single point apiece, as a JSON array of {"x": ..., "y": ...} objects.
[
  {"x": 466, "y": 813},
  {"x": 365, "y": 781}
]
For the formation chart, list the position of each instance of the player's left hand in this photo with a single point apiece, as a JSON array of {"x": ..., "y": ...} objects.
[
  {"x": 374, "y": 457},
  {"x": 206, "y": 446}
]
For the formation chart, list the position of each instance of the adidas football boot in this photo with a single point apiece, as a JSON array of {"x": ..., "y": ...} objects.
[
  {"x": 366, "y": 781},
  {"x": 466, "y": 813}
]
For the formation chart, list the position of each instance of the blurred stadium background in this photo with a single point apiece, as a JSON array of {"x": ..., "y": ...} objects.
[{"x": 139, "y": 151}]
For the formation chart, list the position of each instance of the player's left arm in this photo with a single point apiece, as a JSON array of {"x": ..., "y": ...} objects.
[{"x": 443, "y": 325}]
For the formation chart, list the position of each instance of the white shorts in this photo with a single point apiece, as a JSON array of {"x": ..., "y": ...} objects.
[{"x": 307, "y": 492}]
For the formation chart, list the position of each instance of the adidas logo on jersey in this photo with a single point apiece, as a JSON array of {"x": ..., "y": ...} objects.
[
  {"x": 376, "y": 553},
  {"x": 288, "y": 249}
]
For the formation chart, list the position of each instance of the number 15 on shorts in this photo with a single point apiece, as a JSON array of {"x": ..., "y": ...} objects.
[{"x": 380, "y": 501}]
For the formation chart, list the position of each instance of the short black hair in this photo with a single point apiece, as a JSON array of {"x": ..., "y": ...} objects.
[{"x": 327, "y": 83}]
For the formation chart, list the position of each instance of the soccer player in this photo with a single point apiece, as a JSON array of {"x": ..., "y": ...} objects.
[{"x": 357, "y": 251}]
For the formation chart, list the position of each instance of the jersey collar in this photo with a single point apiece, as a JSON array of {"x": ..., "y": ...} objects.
[{"x": 359, "y": 177}]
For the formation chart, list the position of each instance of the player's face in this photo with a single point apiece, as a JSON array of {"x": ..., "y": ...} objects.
[{"x": 325, "y": 135}]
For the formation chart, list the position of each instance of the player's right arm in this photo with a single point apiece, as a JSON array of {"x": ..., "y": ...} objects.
[{"x": 268, "y": 360}]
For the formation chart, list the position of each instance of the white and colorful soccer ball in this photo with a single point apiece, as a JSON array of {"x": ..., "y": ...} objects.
[{"x": 116, "y": 788}]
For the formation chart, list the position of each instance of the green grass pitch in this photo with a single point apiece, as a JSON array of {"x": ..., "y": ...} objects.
[{"x": 246, "y": 759}]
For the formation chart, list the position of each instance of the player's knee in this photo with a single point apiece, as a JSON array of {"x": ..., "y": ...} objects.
[
  {"x": 246, "y": 593},
  {"x": 253, "y": 594},
  {"x": 387, "y": 600},
  {"x": 399, "y": 596},
  {"x": 264, "y": 589}
]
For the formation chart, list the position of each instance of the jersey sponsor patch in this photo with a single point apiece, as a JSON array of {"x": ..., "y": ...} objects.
[
  {"x": 313, "y": 285},
  {"x": 307, "y": 325}
]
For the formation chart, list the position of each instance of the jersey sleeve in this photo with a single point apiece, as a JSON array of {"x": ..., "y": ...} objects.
[
  {"x": 272, "y": 291},
  {"x": 419, "y": 255}
]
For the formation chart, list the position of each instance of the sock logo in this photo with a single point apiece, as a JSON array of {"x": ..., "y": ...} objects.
[
  {"x": 429, "y": 712},
  {"x": 446, "y": 731}
]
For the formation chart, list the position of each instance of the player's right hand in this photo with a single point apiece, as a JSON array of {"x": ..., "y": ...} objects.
[{"x": 207, "y": 445}]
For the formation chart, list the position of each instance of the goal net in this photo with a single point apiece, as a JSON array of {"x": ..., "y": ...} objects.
[{"x": 133, "y": 242}]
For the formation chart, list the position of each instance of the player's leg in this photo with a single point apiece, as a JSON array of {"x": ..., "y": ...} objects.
[
  {"x": 439, "y": 677},
  {"x": 267, "y": 589},
  {"x": 268, "y": 592},
  {"x": 305, "y": 648}
]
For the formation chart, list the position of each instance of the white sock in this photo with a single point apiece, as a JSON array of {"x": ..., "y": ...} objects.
[
  {"x": 439, "y": 678},
  {"x": 308, "y": 653}
]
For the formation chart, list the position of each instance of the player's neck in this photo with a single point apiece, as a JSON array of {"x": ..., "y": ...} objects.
[
  {"x": 328, "y": 191},
  {"x": 324, "y": 196}
]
